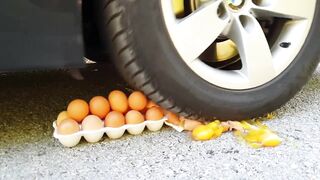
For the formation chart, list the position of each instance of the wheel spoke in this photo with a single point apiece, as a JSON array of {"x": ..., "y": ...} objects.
[
  {"x": 292, "y": 9},
  {"x": 253, "y": 47},
  {"x": 195, "y": 33}
]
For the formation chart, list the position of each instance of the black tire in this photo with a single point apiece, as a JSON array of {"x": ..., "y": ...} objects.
[{"x": 147, "y": 59}]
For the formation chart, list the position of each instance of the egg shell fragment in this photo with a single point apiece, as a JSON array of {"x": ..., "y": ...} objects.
[
  {"x": 173, "y": 118},
  {"x": 190, "y": 124}
]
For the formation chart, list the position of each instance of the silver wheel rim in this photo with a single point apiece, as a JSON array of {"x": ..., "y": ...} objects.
[{"x": 193, "y": 34}]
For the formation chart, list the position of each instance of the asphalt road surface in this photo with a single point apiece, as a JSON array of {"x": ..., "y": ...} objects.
[{"x": 29, "y": 102}]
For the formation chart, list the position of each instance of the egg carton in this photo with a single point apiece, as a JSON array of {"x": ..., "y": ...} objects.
[{"x": 113, "y": 133}]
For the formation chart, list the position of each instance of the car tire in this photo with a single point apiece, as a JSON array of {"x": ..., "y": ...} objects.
[{"x": 148, "y": 59}]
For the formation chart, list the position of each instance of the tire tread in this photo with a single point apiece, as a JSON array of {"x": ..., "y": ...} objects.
[{"x": 113, "y": 13}]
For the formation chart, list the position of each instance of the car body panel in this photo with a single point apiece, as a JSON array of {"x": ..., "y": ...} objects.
[{"x": 40, "y": 34}]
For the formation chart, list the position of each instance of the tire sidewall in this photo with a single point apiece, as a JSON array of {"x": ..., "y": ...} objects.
[{"x": 157, "y": 56}]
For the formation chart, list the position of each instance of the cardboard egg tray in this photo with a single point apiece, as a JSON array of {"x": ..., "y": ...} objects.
[{"x": 113, "y": 133}]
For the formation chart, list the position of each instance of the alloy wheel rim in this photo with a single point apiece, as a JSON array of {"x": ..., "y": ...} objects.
[{"x": 260, "y": 63}]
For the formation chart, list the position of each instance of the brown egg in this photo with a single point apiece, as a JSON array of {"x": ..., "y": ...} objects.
[
  {"x": 173, "y": 118},
  {"x": 68, "y": 126},
  {"x": 134, "y": 117},
  {"x": 118, "y": 101},
  {"x": 99, "y": 106},
  {"x": 62, "y": 116},
  {"x": 189, "y": 124},
  {"x": 78, "y": 109},
  {"x": 114, "y": 119},
  {"x": 151, "y": 104},
  {"x": 92, "y": 122},
  {"x": 137, "y": 101},
  {"x": 154, "y": 113}
]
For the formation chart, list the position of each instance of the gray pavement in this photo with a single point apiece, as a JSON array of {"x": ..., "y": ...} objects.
[{"x": 29, "y": 102}]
